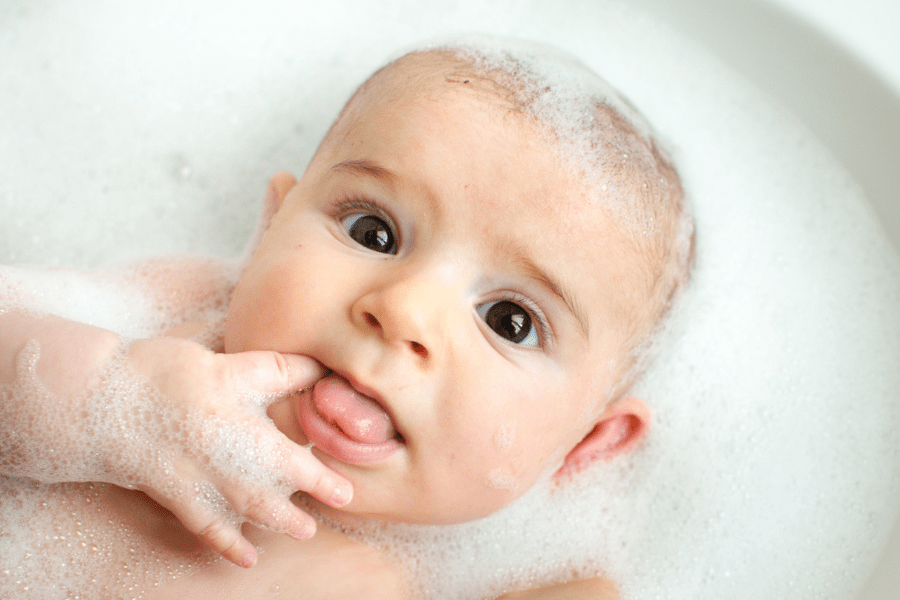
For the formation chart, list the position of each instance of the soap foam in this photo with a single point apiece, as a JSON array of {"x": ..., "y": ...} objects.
[
  {"x": 771, "y": 468},
  {"x": 600, "y": 139},
  {"x": 70, "y": 541}
]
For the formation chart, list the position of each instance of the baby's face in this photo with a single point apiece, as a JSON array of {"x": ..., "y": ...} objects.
[{"x": 459, "y": 285}]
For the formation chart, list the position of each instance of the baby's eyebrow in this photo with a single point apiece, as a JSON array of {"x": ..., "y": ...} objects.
[
  {"x": 551, "y": 285},
  {"x": 367, "y": 168},
  {"x": 371, "y": 169}
]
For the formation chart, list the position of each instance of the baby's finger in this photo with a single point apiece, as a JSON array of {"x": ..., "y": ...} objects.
[
  {"x": 217, "y": 533},
  {"x": 228, "y": 541},
  {"x": 279, "y": 514},
  {"x": 272, "y": 372},
  {"x": 308, "y": 474}
]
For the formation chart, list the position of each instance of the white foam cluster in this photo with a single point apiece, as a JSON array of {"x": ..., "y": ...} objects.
[
  {"x": 771, "y": 468},
  {"x": 554, "y": 86},
  {"x": 139, "y": 299},
  {"x": 564, "y": 97}
]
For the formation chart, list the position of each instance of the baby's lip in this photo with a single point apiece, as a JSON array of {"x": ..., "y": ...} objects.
[{"x": 348, "y": 421}]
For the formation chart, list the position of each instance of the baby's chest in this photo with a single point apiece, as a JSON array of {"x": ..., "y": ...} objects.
[{"x": 328, "y": 566}]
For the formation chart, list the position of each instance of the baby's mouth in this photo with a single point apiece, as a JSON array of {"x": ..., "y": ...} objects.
[
  {"x": 347, "y": 424},
  {"x": 359, "y": 417}
]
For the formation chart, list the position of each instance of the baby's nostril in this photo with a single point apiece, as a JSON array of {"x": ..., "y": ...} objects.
[
  {"x": 419, "y": 349},
  {"x": 371, "y": 320}
]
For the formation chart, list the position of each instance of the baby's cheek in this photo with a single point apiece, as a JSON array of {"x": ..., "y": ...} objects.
[
  {"x": 505, "y": 476},
  {"x": 263, "y": 315}
]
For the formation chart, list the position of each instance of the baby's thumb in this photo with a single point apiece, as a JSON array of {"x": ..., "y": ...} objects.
[{"x": 267, "y": 372}]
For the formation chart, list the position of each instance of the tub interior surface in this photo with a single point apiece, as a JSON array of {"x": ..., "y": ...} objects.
[
  {"x": 189, "y": 170},
  {"x": 849, "y": 107},
  {"x": 847, "y": 103}
]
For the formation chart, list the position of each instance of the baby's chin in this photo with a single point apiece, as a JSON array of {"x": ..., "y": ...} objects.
[
  {"x": 363, "y": 516},
  {"x": 342, "y": 519}
]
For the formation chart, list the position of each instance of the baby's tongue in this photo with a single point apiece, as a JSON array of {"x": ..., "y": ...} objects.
[{"x": 359, "y": 417}]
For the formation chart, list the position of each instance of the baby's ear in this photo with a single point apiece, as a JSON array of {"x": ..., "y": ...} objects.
[
  {"x": 619, "y": 429},
  {"x": 279, "y": 186}
]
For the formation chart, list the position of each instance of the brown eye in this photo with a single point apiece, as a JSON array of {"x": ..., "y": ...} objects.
[
  {"x": 510, "y": 321},
  {"x": 370, "y": 232}
]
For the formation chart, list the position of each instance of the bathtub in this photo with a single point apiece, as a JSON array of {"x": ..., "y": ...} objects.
[
  {"x": 852, "y": 106},
  {"x": 837, "y": 97}
]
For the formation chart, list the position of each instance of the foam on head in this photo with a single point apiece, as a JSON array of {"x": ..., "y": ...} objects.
[{"x": 600, "y": 139}]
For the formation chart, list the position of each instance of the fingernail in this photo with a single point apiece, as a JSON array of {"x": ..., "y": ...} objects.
[
  {"x": 248, "y": 560},
  {"x": 341, "y": 496},
  {"x": 305, "y": 529}
]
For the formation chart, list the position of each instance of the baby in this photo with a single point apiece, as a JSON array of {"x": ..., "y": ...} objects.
[{"x": 448, "y": 306}]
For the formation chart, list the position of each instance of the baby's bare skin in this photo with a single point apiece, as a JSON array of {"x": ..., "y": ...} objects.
[
  {"x": 141, "y": 550},
  {"x": 333, "y": 566}
]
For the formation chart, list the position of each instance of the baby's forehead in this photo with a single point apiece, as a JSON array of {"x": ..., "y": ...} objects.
[
  {"x": 596, "y": 135},
  {"x": 560, "y": 203},
  {"x": 435, "y": 76}
]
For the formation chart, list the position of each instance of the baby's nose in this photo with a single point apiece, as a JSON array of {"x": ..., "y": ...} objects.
[
  {"x": 409, "y": 313},
  {"x": 414, "y": 345}
]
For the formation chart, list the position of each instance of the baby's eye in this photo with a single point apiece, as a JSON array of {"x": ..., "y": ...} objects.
[
  {"x": 370, "y": 232},
  {"x": 510, "y": 321}
]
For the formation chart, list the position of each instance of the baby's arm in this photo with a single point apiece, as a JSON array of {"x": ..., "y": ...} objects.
[{"x": 162, "y": 415}]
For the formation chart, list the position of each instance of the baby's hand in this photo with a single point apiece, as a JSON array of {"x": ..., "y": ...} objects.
[
  {"x": 215, "y": 459},
  {"x": 171, "y": 418}
]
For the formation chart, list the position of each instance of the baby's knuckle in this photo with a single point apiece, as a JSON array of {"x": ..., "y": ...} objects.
[
  {"x": 321, "y": 480},
  {"x": 220, "y": 369},
  {"x": 282, "y": 368},
  {"x": 256, "y": 505},
  {"x": 218, "y": 534}
]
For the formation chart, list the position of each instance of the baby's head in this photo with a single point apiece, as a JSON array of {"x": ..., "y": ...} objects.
[{"x": 479, "y": 251}]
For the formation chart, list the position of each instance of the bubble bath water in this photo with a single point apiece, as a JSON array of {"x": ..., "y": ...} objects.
[{"x": 772, "y": 467}]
